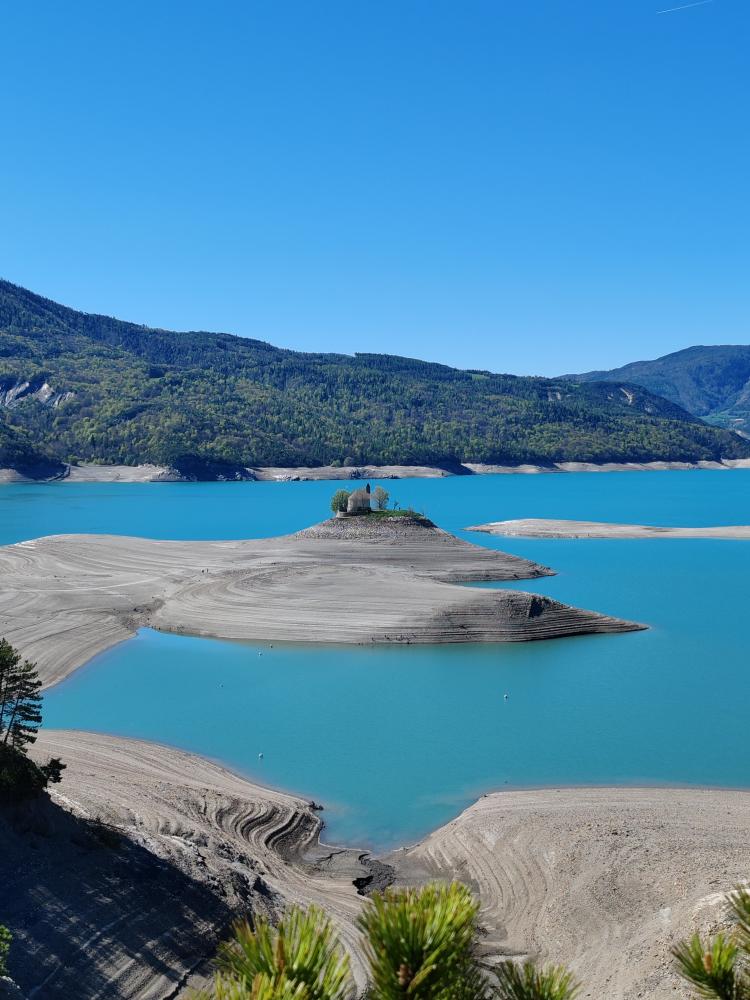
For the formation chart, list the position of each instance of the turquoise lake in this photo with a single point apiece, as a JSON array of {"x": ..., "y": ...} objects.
[{"x": 395, "y": 741}]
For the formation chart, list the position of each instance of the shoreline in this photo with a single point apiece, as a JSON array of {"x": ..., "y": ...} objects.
[
  {"x": 602, "y": 878},
  {"x": 533, "y": 527},
  {"x": 149, "y": 473}
]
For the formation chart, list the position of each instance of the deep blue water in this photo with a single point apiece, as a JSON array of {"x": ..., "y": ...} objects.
[{"x": 395, "y": 741}]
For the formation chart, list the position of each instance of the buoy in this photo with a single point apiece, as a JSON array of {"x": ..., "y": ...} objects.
[
  {"x": 260, "y": 756},
  {"x": 505, "y": 696}
]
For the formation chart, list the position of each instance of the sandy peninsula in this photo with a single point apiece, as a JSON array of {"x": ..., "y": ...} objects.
[
  {"x": 360, "y": 580},
  {"x": 604, "y": 879},
  {"x": 549, "y": 528}
]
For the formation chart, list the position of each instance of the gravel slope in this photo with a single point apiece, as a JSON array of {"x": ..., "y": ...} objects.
[{"x": 606, "y": 880}]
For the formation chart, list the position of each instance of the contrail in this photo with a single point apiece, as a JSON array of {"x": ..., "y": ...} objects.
[{"x": 685, "y": 6}]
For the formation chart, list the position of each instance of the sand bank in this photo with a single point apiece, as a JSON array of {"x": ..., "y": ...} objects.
[
  {"x": 605, "y": 879},
  {"x": 533, "y": 527},
  {"x": 66, "y": 597}
]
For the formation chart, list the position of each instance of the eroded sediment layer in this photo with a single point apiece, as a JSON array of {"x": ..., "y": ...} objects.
[
  {"x": 131, "y": 908},
  {"x": 606, "y": 880},
  {"x": 534, "y": 527},
  {"x": 65, "y": 597}
]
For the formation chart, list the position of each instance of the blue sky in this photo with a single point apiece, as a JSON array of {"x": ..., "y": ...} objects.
[{"x": 533, "y": 187}]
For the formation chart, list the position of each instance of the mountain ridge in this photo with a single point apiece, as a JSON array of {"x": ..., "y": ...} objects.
[
  {"x": 80, "y": 387},
  {"x": 709, "y": 381}
]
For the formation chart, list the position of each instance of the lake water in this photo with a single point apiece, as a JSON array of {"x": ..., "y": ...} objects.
[{"x": 395, "y": 741}]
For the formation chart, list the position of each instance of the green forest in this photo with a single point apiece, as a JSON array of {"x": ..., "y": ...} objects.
[{"x": 83, "y": 388}]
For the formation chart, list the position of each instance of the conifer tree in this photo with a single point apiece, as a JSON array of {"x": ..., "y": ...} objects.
[
  {"x": 719, "y": 969},
  {"x": 20, "y": 700}
]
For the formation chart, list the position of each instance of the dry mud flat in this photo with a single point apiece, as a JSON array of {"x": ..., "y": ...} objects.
[
  {"x": 547, "y": 528},
  {"x": 364, "y": 580},
  {"x": 606, "y": 880}
]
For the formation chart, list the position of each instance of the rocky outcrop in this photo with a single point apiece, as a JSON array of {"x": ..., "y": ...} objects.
[{"x": 15, "y": 391}]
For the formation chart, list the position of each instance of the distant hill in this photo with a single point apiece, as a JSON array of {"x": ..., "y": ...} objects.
[
  {"x": 710, "y": 382},
  {"x": 82, "y": 387}
]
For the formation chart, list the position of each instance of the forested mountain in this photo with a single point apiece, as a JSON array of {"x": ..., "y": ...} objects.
[
  {"x": 92, "y": 388},
  {"x": 18, "y": 452},
  {"x": 710, "y": 382}
]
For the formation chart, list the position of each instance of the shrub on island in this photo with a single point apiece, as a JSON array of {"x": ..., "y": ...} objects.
[{"x": 339, "y": 501}]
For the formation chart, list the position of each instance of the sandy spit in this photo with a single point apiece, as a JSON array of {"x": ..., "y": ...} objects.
[
  {"x": 549, "y": 528},
  {"x": 606, "y": 880},
  {"x": 65, "y": 598}
]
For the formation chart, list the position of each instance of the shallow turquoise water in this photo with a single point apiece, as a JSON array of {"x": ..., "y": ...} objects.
[{"x": 396, "y": 741}]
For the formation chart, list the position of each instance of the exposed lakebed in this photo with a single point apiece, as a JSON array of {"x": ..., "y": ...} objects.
[{"x": 395, "y": 740}]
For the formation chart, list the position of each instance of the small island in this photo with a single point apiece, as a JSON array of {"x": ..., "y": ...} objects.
[
  {"x": 369, "y": 576},
  {"x": 533, "y": 527}
]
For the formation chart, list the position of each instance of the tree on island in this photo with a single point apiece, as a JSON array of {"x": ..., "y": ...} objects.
[
  {"x": 20, "y": 719},
  {"x": 381, "y": 497},
  {"x": 339, "y": 501}
]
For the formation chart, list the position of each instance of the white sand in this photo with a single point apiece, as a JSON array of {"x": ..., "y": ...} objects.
[
  {"x": 67, "y": 597},
  {"x": 549, "y": 528}
]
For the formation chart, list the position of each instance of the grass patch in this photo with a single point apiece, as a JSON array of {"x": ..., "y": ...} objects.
[{"x": 399, "y": 513}]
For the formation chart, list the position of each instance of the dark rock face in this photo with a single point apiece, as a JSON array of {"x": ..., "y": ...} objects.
[
  {"x": 9, "y": 990},
  {"x": 67, "y": 879},
  {"x": 198, "y": 469}
]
